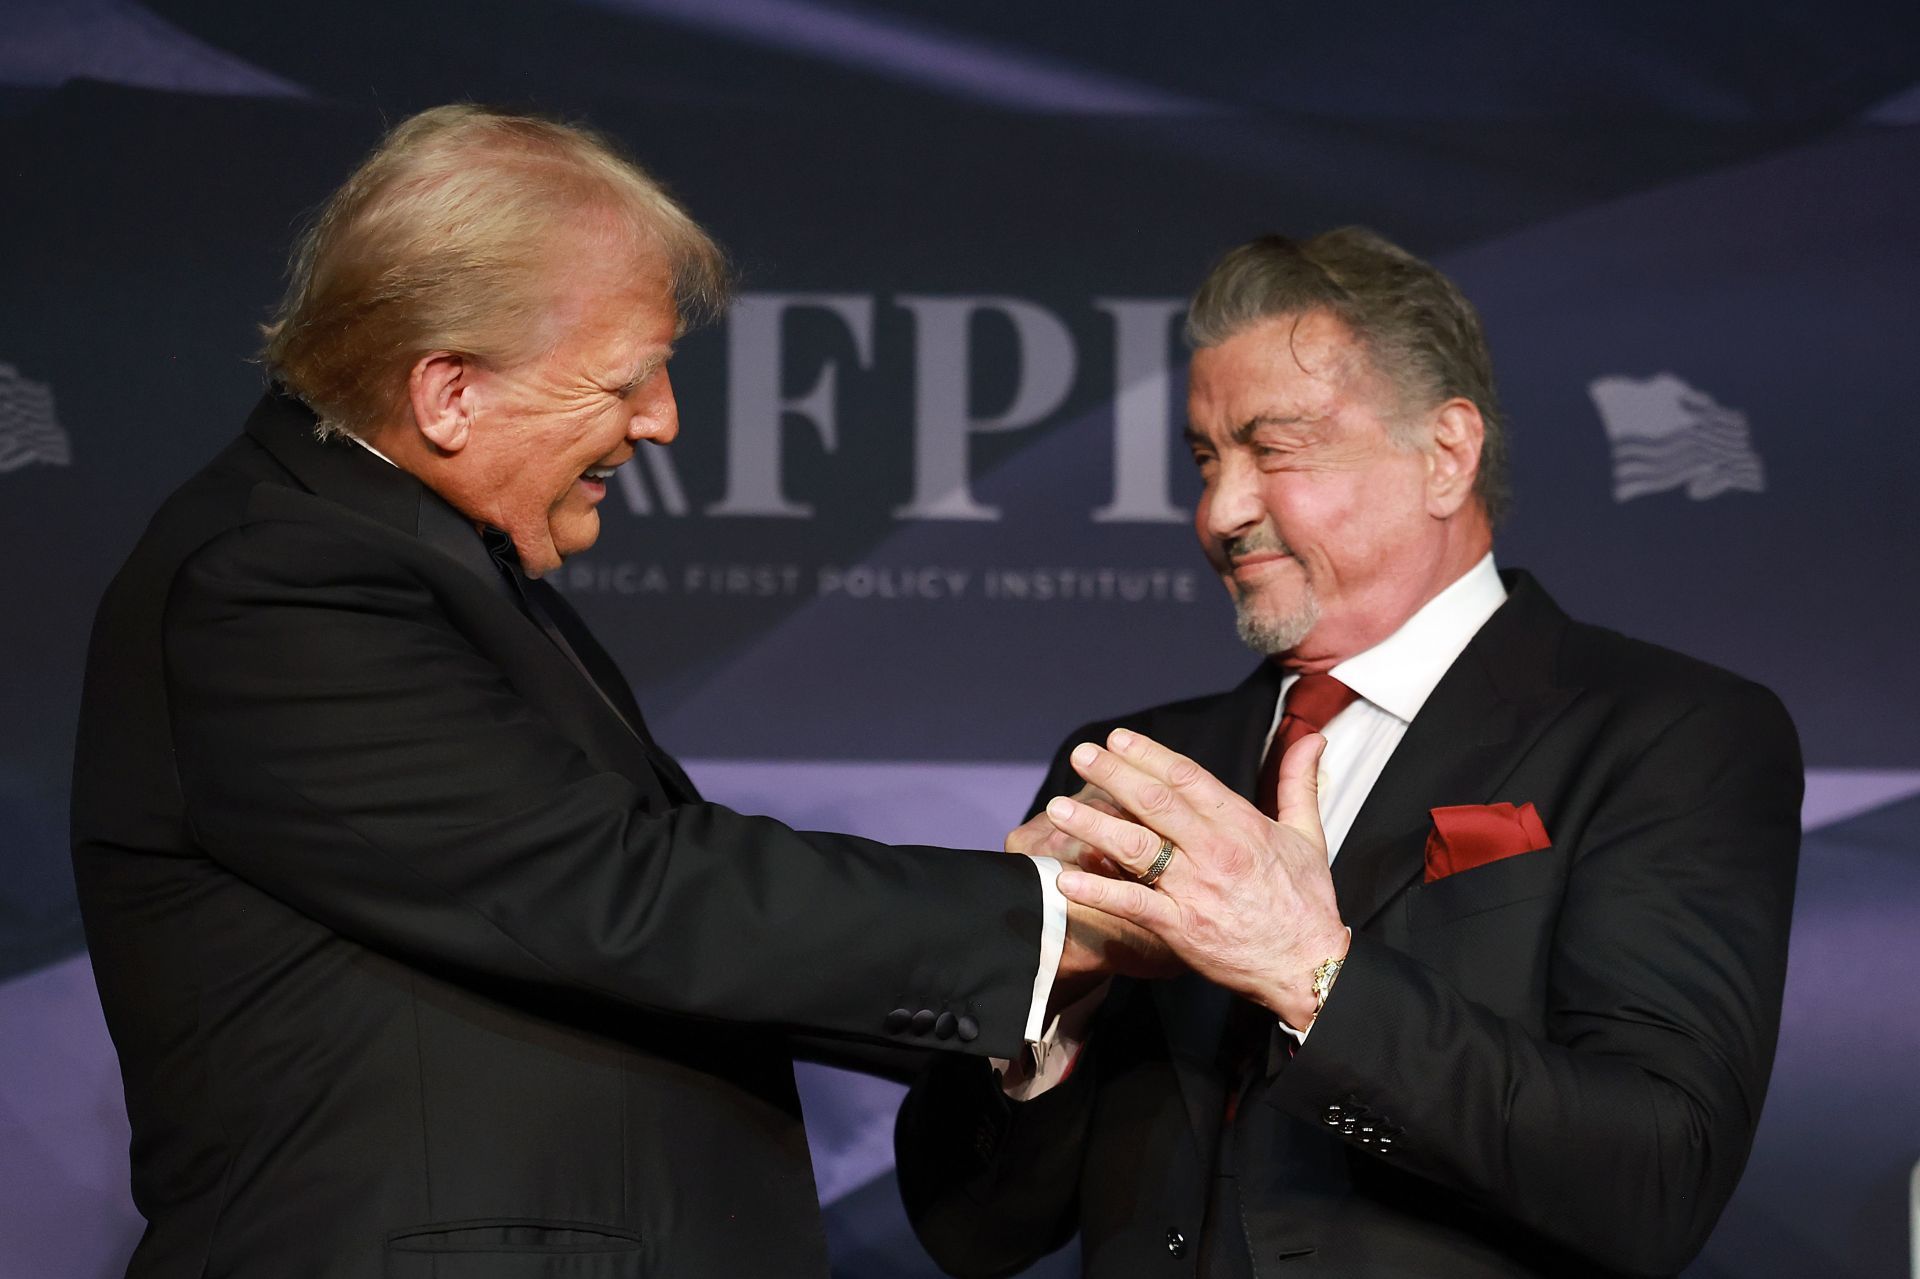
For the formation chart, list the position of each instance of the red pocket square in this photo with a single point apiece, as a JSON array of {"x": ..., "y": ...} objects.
[{"x": 1470, "y": 835}]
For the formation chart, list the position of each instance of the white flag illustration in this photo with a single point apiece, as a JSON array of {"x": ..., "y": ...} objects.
[
  {"x": 28, "y": 431},
  {"x": 1667, "y": 435}
]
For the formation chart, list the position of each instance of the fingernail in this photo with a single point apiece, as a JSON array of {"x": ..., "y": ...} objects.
[
  {"x": 1070, "y": 881},
  {"x": 1120, "y": 739},
  {"x": 1060, "y": 806},
  {"x": 1084, "y": 753}
]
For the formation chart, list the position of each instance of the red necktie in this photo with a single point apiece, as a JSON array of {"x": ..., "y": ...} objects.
[{"x": 1311, "y": 703}]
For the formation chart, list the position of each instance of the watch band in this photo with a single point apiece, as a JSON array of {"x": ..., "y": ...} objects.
[{"x": 1323, "y": 979}]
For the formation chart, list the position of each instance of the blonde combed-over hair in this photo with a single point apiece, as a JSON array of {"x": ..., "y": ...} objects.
[{"x": 453, "y": 235}]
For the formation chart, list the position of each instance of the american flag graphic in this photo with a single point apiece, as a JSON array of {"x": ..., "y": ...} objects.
[
  {"x": 28, "y": 431},
  {"x": 1667, "y": 435}
]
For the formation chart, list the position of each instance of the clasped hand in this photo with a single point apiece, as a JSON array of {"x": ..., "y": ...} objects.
[{"x": 1246, "y": 902}]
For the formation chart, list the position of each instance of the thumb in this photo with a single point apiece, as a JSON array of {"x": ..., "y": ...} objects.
[{"x": 1298, "y": 803}]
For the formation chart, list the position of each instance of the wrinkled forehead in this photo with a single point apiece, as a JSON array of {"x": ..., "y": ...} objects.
[{"x": 1294, "y": 365}]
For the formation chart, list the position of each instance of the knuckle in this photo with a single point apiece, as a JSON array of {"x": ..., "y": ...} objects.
[
  {"x": 1155, "y": 798},
  {"x": 1184, "y": 772}
]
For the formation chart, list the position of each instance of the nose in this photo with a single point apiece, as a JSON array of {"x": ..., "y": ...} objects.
[
  {"x": 1231, "y": 506},
  {"x": 657, "y": 419}
]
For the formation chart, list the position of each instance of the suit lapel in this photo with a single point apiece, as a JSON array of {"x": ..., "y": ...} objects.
[
  {"x": 347, "y": 474},
  {"x": 1476, "y": 727},
  {"x": 1227, "y": 742},
  {"x": 605, "y": 673}
]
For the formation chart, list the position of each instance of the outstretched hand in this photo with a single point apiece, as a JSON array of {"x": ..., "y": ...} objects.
[
  {"x": 1039, "y": 837},
  {"x": 1248, "y": 903},
  {"x": 1099, "y": 945}
]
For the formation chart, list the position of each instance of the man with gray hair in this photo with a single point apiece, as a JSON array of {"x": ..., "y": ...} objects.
[
  {"x": 421, "y": 956},
  {"x": 1485, "y": 910}
]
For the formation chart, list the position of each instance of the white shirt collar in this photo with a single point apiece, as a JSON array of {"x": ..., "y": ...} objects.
[
  {"x": 1400, "y": 672},
  {"x": 376, "y": 452}
]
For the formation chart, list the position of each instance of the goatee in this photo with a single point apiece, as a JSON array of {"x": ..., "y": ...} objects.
[{"x": 1271, "y": 635}]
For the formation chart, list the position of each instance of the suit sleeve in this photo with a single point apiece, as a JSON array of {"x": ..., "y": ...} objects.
[
  {"x": 342, "y": 746},
  {"x": 992, "y": 1185},
  {"x": 1621, "y": 1132}
]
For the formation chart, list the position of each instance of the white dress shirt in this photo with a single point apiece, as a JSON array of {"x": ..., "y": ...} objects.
[{"x": 1394, "y": 678}]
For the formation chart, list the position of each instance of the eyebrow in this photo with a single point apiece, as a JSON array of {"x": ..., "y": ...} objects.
[
  {"x": 1244, "y": 432},
  {"x": 642, "y": 369}
]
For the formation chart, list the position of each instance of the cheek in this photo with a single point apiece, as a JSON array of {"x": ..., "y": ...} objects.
[
  {"x": 1305, "y": 505},
  {"x": 1367, "y": 520}
]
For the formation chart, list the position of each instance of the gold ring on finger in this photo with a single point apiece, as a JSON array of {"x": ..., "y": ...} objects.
[{"x": 1160, "y": 863}]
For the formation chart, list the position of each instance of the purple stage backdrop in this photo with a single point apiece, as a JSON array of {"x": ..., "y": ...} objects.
[{"x": 930, "y": 509}]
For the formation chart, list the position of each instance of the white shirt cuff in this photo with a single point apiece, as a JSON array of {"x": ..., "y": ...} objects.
[
  {"x": 1050, "y": 1060},
  {"x": 1053, "y": 940}
]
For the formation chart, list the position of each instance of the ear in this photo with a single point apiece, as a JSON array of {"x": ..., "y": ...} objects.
[
  {"x": 1453, "y": 459},
  {"x": 442, "y": 395}
]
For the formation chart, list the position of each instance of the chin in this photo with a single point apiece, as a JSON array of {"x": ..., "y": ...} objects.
[
  {"x": 576, "y": 535},
  {"x": 1272, "y": 630}
]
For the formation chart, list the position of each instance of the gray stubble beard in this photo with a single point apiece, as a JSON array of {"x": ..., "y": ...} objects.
[{"x": 1271, "y": 636}]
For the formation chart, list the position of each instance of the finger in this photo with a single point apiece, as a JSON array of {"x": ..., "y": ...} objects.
[
  {"x": 1203, "y": 790},
  {"x": 1150, "y": 801},
  {"x": 1133, "y": 847},
  {"x": 1153, "y": 911},
  {"x": 1091, "y": 794},
  {"x": 1027, "y": 837},
  {"x": 1298, "y": 804}
]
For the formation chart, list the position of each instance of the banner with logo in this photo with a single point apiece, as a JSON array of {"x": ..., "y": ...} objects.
[{"x": 930, "y": 508}]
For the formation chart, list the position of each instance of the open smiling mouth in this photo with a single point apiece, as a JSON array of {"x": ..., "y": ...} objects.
[{"x": 593, "y": 481}]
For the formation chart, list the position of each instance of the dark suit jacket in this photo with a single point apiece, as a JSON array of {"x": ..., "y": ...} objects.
[
  {"x": 1550, "y": 1064},
  {"x": 421, "y": 959}
]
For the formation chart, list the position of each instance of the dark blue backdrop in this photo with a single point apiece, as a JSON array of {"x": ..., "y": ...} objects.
[{"x": 928, "y": 510}]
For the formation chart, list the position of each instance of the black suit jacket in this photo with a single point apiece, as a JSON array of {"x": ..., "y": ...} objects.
[
  {"x": 421, "y": 958},
  {"x": 1550, "y": 1064}
]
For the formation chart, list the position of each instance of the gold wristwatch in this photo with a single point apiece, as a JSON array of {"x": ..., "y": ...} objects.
[{"x": 1323, "y": 978}]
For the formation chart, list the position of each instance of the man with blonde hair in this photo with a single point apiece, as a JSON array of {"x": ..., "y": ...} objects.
[{"x": 421, "y": 956}]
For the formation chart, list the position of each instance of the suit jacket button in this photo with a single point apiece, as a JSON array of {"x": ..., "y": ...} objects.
[
  {"x": 898, "y": 1020},
  {"x": 1176, "y": 1243},
  {"x": 923, "y": 1021},
  {"x": 968, "y": 1029},
  {"x": 945, "y": 1024}
]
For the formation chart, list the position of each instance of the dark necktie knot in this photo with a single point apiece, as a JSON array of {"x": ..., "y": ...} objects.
[{"x": 501, "y": 548}]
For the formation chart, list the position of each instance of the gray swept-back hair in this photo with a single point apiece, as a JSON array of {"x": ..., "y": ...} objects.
[{"x": 1417, "y": 329}]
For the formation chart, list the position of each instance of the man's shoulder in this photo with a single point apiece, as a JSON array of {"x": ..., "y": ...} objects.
[
  {"x": 1639, "y": 674},
  {"x": 207, "y": 504},
  {"x": 242, "y": 494}
]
